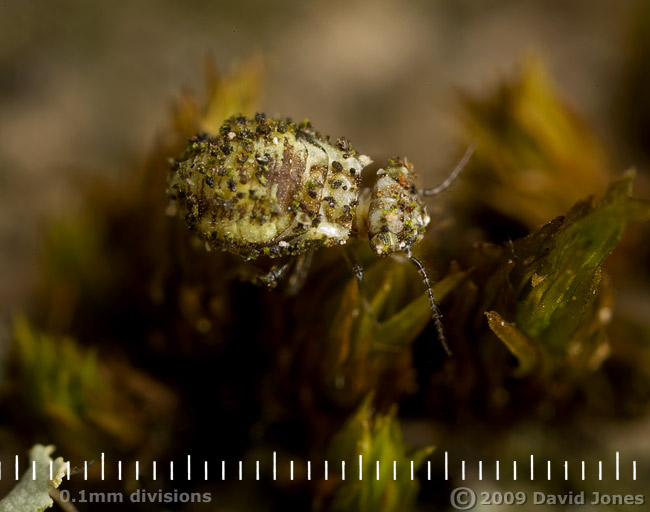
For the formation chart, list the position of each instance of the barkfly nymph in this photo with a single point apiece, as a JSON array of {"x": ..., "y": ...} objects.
[{"x": 271, "y": 187}]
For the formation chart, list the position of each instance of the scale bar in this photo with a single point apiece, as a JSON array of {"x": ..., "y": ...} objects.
[{"x": 460, "y": 470}]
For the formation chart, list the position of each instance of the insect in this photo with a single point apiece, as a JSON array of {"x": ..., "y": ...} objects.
[{"x": 272, "y": 187}]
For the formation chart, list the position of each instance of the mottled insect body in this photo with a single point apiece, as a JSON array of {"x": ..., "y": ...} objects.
[
  {"x": 395, "y": 217},
  {"x": 267, "y": 187},
  {"x": 271, "y": 187}
]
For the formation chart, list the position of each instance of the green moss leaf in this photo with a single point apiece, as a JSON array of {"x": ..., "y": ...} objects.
[
  {"x": 55, "y": 374},
  {"x": 236, "y": 92},
  {"x": 79, "y": 402},
  {"x": 374, "y": 437},
  {"x": 560, "y": 272},
  {"x": 536, "y": 156},
  {"x": 525, "y": 350},
  {"x": 373, "y": 328},
  {"x": 406, "y": 324}
]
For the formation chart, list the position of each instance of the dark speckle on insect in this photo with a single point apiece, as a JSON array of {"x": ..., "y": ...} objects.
[
  {"x": 342, "y": 143},
  {"x": 330, "y": 201}
]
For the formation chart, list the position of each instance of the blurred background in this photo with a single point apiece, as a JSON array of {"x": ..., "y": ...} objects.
[{"x": 85, "y": 87}]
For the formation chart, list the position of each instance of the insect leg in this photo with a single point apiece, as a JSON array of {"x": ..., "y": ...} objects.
[
  {"x": 271, "y": 278},
  {"x": 355, "y": 265},
  {"x": 437, "y": 316},
  {"x": 454, "y": 174},
  {"x": 357, "y": 270},
  {"x": 299, "y": 273}
]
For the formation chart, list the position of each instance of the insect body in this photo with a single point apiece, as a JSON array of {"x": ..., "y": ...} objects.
[
  {"x": 276, "y": 188},
  {"x": 268, "y": 187}
]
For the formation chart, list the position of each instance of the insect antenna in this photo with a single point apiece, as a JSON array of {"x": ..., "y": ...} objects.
[
  {"x": 452, "y": 177},
  {"x": 437, "y": 316}
]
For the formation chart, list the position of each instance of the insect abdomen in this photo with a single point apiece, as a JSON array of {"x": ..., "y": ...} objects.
[{"x": 266, "y": 186}]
